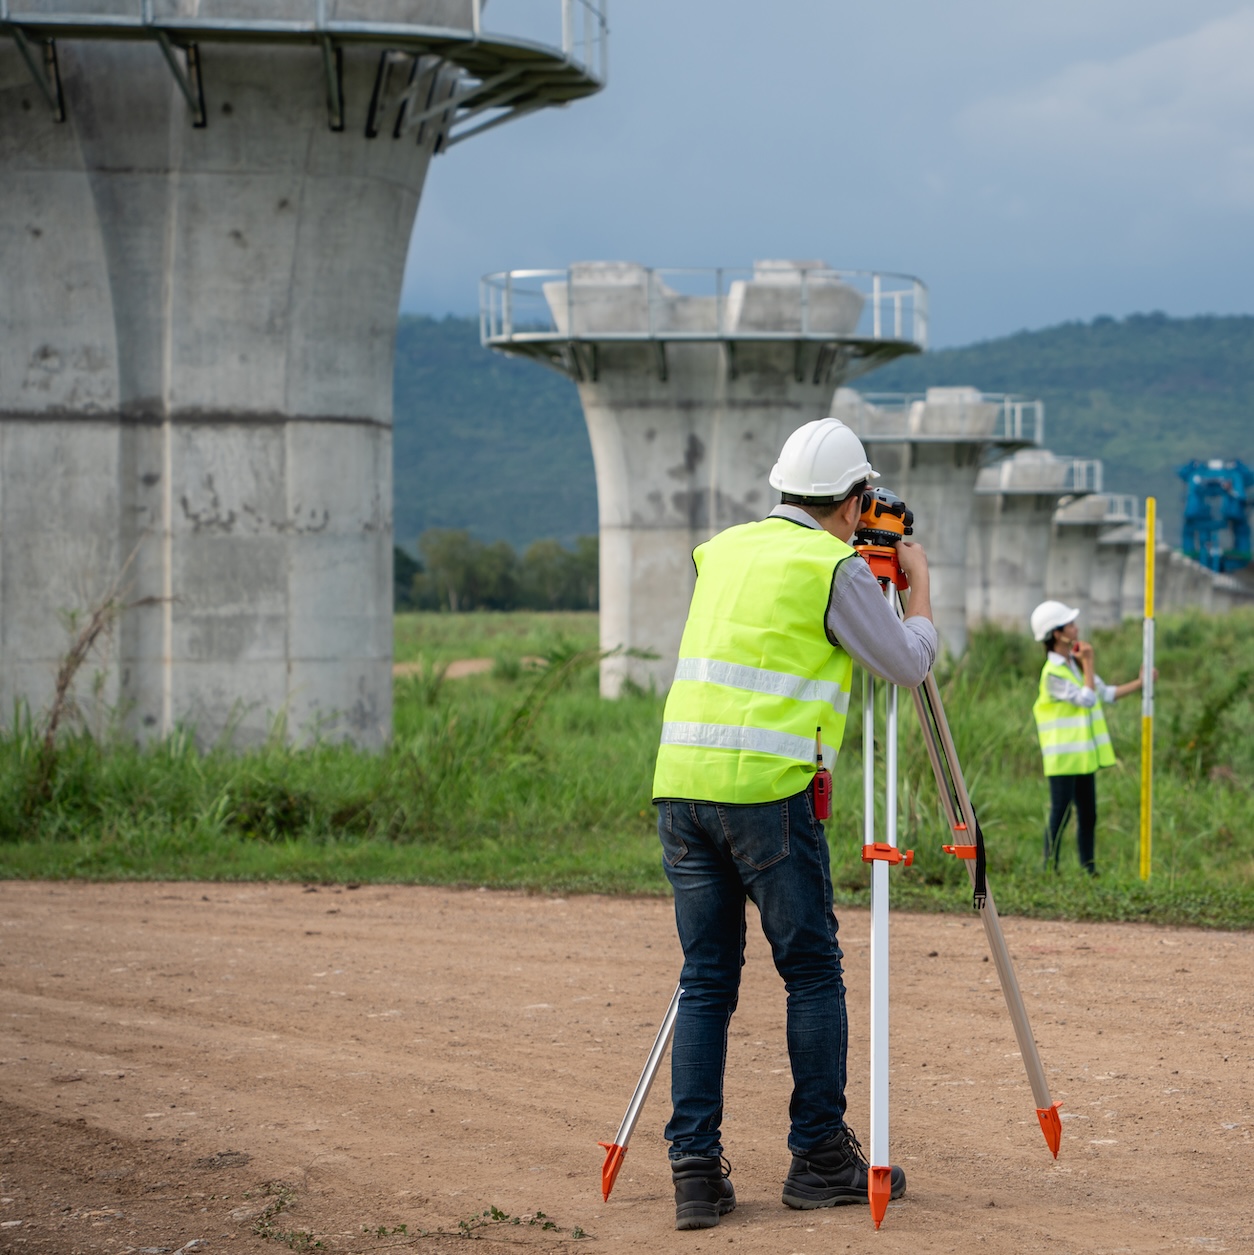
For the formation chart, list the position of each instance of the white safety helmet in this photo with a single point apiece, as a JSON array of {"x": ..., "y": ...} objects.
[
  {"x": 1050, "y": 615},
  {"x": 822, "y": 459}
]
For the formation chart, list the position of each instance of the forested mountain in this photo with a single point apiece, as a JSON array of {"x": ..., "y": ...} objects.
[
  {"x": 485, "y": 442},
  {"x": 498, "y": 446}
]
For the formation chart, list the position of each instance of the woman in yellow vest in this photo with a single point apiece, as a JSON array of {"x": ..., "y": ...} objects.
[
  {"x": 781, "y": 611},
  {"x": 1071, "y": 727}
]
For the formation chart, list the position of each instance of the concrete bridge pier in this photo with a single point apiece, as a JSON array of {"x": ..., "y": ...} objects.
[
  {"x": 1132, "y": 586},
  {"x": 205, "y": 224},
  {"x": 690, "y": 382},
  {"x": 1010, "y": 532},
  {"x": 1072, "y": 566},
  {"x": 929, "y": 450},
  {"x": 1106, "y": 608}
]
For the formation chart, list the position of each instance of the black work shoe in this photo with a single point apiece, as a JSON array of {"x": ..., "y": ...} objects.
[
  {"x": 833, "y": 1174},
  {"x": 703, "y": 1191}
]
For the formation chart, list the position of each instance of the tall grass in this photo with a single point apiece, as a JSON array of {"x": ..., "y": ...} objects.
[{"x": 524, "y": 777}]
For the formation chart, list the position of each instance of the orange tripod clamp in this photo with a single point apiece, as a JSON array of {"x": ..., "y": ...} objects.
[{"x": 882, "y": 852}]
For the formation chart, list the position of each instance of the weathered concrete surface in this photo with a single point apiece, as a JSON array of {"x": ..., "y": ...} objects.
[
  {"x": 684, "y": 435},
  {"x": 929, "y": 452},
  {"x": 1132, "y": 586},
  {"x": 196, "y": 336},
  {"x": 1114, "y": 548},
  {"x": 1077, "y": 525},
  {"x": 1186, "y": 583},
  {"x": 1008, "y": 544}
]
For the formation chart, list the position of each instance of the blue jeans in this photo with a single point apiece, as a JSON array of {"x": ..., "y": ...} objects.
[{"x": 715, "y": 857}]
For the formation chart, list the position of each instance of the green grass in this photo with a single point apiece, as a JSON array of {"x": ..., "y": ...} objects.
[
  {"x": 442, "y": 638},
  {"x": 525, "y": 778}
]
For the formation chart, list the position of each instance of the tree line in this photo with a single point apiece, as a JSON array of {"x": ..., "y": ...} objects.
[{"x": 454, "y": 571}]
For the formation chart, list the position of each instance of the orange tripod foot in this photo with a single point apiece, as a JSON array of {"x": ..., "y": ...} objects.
[
  {"x": 879, "y": 1187},
  {"x": 1051, "y": 1126},
  {"x": 609, "y": 1170}
]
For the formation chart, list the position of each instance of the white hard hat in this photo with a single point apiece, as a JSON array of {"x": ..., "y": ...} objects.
[
  {"x": 1050, "y": 615},
  {"x": 822, "y": 459}
]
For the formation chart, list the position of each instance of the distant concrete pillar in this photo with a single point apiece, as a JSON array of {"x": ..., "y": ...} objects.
[
  {"x": 1106, "y": 589},
  {"x": 1114, "y": 543},
  {"x": 1008, "y": 547},
  {"x": 929, "y": 451},
  {"x": 1077, "y": 526},
  {"x": 1132, "y": 596},
  {"x": 690, "y": 383},
  {"x": 202, "y": 264}
]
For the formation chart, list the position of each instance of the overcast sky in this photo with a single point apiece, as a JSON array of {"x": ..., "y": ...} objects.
[{"x": 1031, "y": 162}]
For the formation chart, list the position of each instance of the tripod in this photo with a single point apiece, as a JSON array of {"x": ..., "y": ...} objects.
[{"x": 968, "y": 845}]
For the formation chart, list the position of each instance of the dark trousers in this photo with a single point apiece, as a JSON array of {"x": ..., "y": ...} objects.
[
  {"x": 717, "y": 857},
  {"x": 1067, "y": 793}
]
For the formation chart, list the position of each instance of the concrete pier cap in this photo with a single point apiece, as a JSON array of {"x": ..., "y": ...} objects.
[
  {"x": 207, "y": 206},
  {"x": 929, "y": 449},
  {"x": 691, "y": 380},
  {"x": 1008, "y": 544}
]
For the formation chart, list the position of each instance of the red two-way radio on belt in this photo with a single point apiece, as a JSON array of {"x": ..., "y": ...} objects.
[{"x": 822, "y": 784}]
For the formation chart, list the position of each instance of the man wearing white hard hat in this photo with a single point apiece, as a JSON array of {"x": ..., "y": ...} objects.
[
  {"x": 782, "y": 610},
  {"x": 1072, "y": 728}
]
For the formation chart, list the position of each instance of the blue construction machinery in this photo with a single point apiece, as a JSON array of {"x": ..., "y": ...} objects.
[{"x": 1216, "y": 509}]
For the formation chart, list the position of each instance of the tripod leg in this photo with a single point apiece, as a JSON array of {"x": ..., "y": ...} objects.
[
  {"x": 957, "y": 802},
  {"x": 879, "y": 1181},
  {"x": 615, "y": 1150}
]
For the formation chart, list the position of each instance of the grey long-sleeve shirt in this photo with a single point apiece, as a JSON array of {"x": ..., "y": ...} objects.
[
  {"x": 863, "y": 622},
  {"x": 1076, "y": 691}
]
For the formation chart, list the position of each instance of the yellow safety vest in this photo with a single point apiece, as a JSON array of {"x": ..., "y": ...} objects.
[
  {"x": 1074, "y": 739},
  {"x": 757, "y": 674}
]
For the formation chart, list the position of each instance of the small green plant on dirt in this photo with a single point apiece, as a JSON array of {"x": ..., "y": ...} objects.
[
  {"x": 282, "y": 1196},
  {"x": 476, "y": 1226},
  {"x": 493, "y": 1216}
]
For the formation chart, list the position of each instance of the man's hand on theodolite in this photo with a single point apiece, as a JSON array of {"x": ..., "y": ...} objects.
[{"x": 913, "y": 563}]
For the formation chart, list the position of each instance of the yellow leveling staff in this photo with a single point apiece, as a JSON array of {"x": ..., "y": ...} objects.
[{"x": 1147, "y": 693}]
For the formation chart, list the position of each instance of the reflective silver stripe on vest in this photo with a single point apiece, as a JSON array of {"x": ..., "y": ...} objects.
[
  {"x": 725, "y": 736},
  {"x": 1071, "y": 721},
  {"x": 759, "y": 680},
  {"x": 1075, "y": 747}
]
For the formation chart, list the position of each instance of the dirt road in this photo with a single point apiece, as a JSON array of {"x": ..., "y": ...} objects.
[{"x": 239, "y": 1068}]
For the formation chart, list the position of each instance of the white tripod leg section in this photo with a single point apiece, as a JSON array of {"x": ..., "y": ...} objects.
[
  {"x": 615, "y": 1150},
  {"x": 879, "y": 1182}
]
